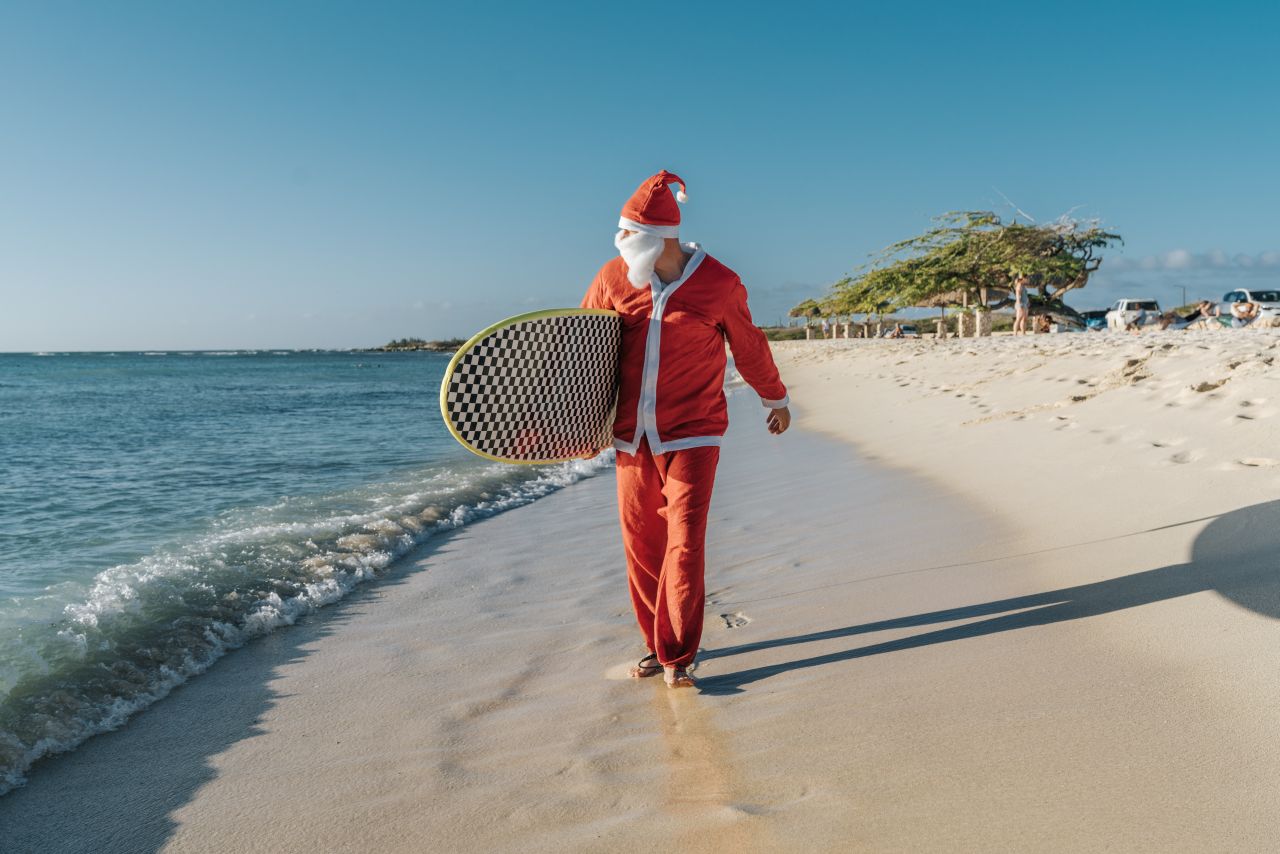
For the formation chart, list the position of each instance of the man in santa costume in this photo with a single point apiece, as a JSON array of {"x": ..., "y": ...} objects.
[{"x": 679, "y": 306}]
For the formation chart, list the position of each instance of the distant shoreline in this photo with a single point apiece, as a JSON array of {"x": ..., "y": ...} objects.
[{"x": 448, "y": 345}]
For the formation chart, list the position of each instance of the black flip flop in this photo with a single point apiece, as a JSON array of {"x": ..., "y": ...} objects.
[{"x": 642, "y": 670}]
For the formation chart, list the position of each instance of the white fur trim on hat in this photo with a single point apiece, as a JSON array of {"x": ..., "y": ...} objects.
[
  {"x": 682, "y": 196},
  {"x": 660, "y": 230}
]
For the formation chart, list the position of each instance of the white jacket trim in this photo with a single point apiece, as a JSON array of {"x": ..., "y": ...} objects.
[
  {"x": 647, "y": 407},
  {"x": 673, "y": 445}
]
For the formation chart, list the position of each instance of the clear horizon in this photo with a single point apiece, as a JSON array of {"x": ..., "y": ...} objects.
[{"x": 334, "y": 177}]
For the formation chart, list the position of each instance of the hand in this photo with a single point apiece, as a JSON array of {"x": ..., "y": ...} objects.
[{"x": 778, "y": 420}]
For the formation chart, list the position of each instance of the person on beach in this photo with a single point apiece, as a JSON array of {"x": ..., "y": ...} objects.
[
  {"x": 679, "y": 306},
  {"x": 1243, "y": 313},
  {"x": 1138, "y": 322},
  {"x": 1206, "y": 313},
  {"x": 1201, "y": 314},
  {"x": 1021, "y": 304}
]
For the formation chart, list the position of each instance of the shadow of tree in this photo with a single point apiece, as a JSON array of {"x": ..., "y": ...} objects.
[{"x": 1237, "y": 556}]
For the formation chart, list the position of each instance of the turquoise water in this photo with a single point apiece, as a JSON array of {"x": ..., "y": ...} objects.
[{"x": 158, "y": 509}]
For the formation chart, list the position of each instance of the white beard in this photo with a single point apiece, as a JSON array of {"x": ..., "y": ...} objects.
[{"x": 640, "y": 251}]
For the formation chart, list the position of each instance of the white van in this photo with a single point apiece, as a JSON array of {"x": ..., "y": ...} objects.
[
  {"x": 1268, "y": 300},
  {"x": 1145, "y": 312}
]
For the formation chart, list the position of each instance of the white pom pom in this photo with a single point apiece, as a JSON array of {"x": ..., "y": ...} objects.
[{"x": 682, "y": 196}]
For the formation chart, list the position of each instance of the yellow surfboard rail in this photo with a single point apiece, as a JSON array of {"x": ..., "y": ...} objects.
[{"x": 479, "y": 336}]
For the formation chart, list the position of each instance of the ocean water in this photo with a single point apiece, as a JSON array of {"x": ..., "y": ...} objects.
[{"x": 160, "y": 509}]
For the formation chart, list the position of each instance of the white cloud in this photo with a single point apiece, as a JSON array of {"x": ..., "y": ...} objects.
[
  {"x": 1185, "y": 259},
  {"x": 1177, "y": 277}
]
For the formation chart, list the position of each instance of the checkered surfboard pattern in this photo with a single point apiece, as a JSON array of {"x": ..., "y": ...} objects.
[{"x": 537, "y": 390}]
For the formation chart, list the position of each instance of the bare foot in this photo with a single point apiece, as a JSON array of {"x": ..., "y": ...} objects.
[{"x": 678, "y": 677}]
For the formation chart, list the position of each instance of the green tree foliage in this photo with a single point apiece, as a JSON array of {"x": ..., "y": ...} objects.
[
  {"x": 967, "y": 251},
  {"x": 809, "y": 309},
  {"x": 419, "y": 344}
]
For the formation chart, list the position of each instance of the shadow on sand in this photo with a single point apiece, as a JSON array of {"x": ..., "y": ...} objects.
[
  {"x": 1237, "y": 556},
  {"x": 118, "y": 791}
]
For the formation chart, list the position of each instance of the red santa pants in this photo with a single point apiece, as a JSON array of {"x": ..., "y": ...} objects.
[{"x": 663, "y": 503}]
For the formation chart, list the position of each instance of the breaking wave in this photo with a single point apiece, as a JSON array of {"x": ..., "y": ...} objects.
[{"x": 83, "y": 658}]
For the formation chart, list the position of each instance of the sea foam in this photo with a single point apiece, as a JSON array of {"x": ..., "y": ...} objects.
[{"x": 143, "y": 628}]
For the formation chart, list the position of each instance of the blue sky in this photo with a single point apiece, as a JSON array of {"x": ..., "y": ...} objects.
[{"x": 182, "y": 175}]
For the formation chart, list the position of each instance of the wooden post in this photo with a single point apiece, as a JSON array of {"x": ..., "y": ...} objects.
[{"x": 982, "y": 323}]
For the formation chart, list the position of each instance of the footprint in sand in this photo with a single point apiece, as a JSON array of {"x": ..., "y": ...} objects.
[
  {"x": 735, "y": 621},
  {"x": 1258, "y": 462},
  {"x": 1257, "y": 409},
  {"x": 1184, "y": 457}
]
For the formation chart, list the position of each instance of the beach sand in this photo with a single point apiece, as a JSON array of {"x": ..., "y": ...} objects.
[{"x": 953, "y": 610}]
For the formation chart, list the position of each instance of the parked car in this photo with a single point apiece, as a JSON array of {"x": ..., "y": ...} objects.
[
  {"x": 1145, "y": 312},
  {"x": 1094, "y": 319},
  {"x": 1268, "y": 301}
]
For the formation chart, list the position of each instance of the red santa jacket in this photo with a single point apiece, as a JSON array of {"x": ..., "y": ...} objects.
[{"x": 671, "y": 376}]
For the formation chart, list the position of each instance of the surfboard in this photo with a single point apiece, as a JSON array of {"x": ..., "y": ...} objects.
[{"x": 536, "y": 388}]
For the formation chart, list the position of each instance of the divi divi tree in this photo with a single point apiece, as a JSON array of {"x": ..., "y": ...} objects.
[
  {"x": 809, "y": 309},
  {"x": 970, "y": 259}
]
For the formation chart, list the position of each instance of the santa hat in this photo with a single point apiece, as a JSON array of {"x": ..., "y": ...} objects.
[{"x": 652, "y": 209}]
